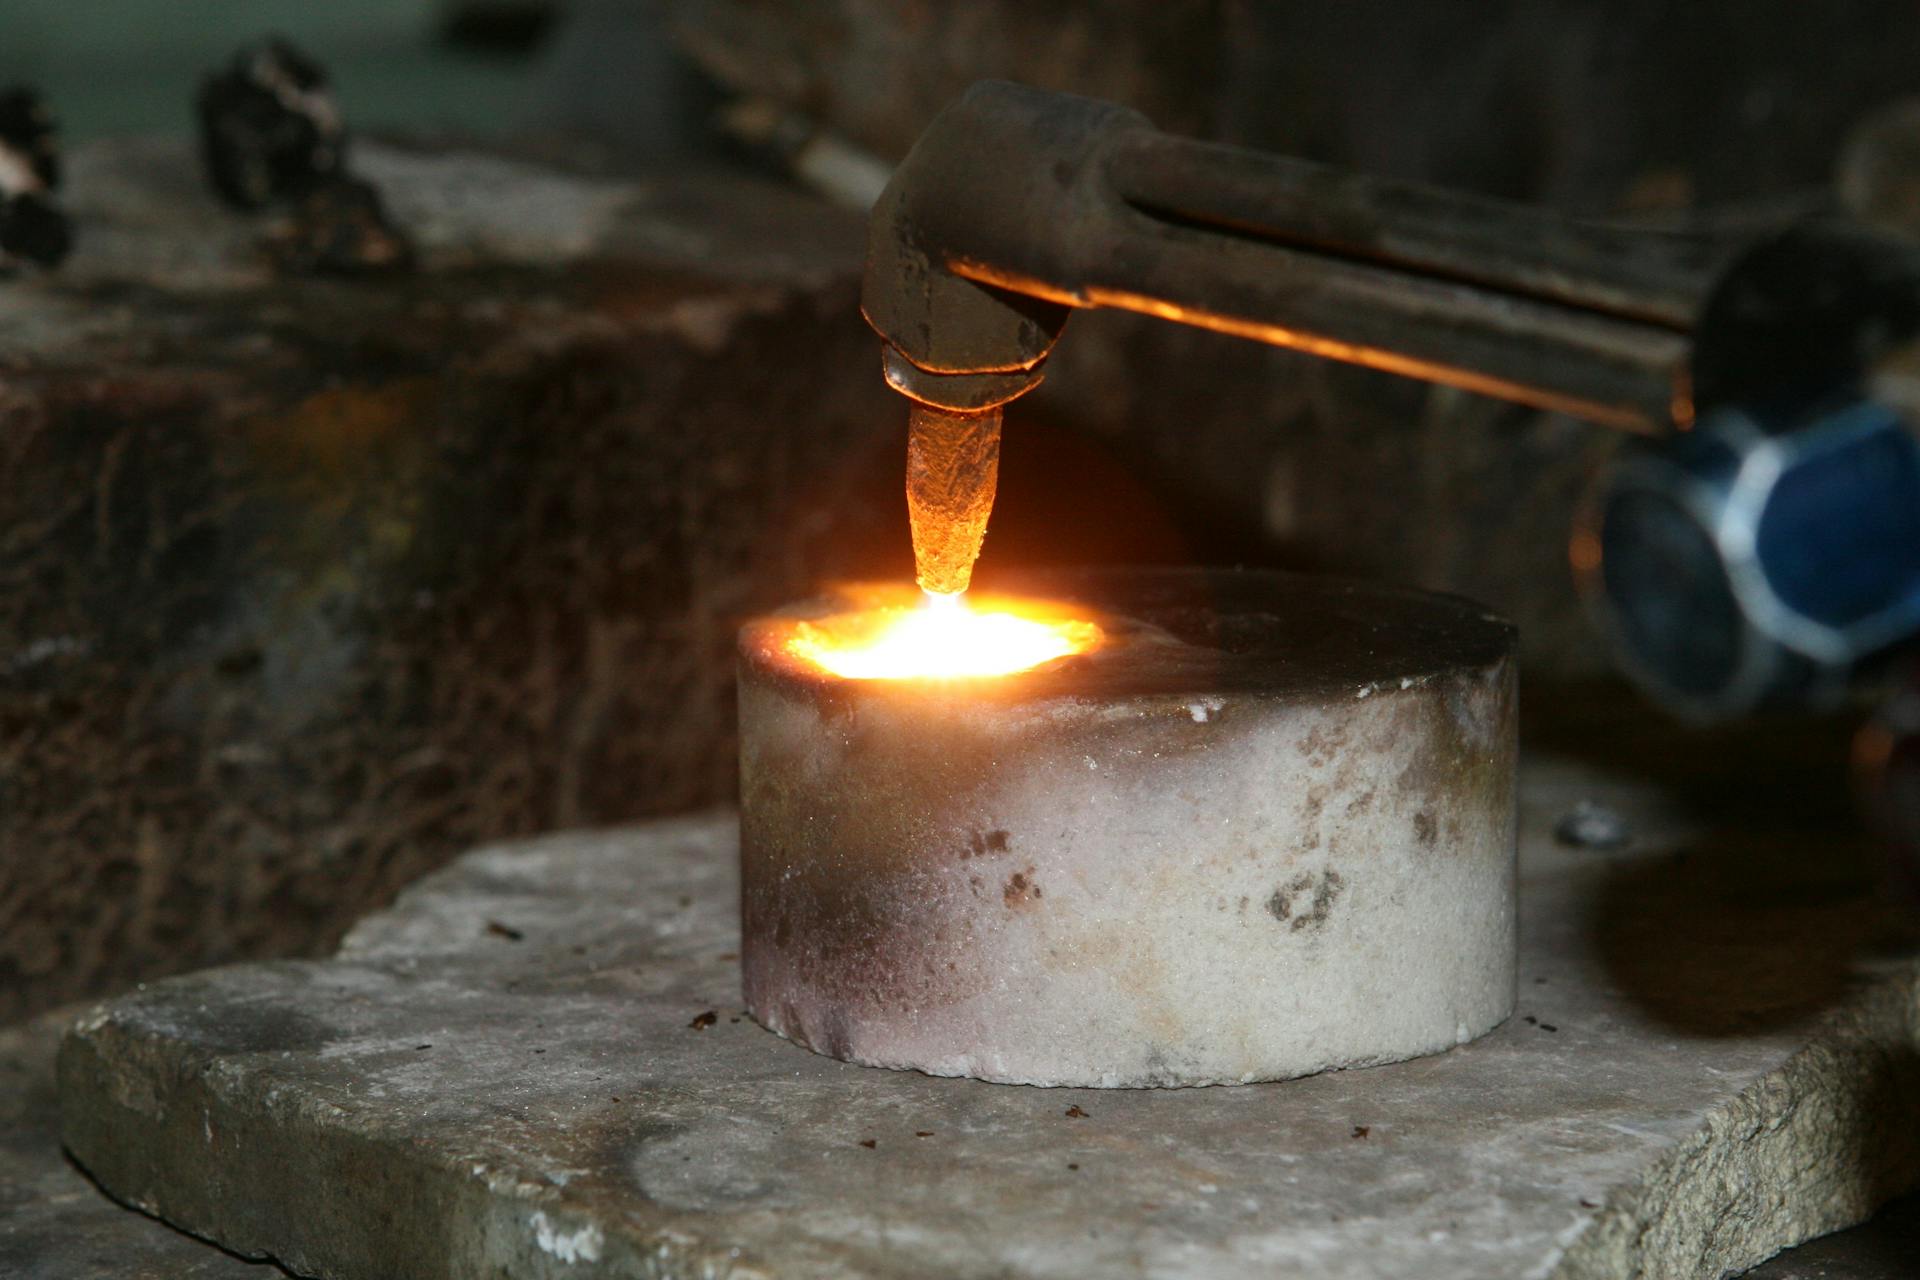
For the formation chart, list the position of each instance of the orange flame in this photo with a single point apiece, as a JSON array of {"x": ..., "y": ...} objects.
[{"x": 941, "y": 638}]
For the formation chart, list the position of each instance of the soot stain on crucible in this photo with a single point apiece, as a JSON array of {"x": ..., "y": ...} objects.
[
  {"x": 1323, "y": 745},
  {"x": 1425, "y": 829},
  {"x": 980, "y": 844},
  {"x": 1021, "y": 890},
  {"x": 1306, "y": 901}
]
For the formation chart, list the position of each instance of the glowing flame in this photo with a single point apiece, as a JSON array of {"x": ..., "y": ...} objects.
[{"x": 942, "y": 637}]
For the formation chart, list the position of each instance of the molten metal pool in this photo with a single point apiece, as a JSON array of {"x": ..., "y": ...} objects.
[
  {"x": 889, "y": 632},
  {"x": 1148, "y": 828}
]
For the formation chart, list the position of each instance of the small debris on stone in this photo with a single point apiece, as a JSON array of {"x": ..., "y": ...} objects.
[
  {"x": 1074, "y": 1168},
  {"x": 1075, "y": 1113},
  {"x": 1361, "y": 1130},
  {"x": 1531, "y": 1021},
  {"x": 869, "y": 1143},
  {"x": 702, "y": 1021},
  {"x": 734, "y": 1020},
  {"x": 1587, "y": 1204},
  {"x": 923, "y": 1133},
  {"x": 340, "y": 228},
  {"x": 417, "y": 1048},
  {"x": 539, "y": 1050},
  {"x": 506, "y": 931},
  {"x": 1548, "y": 1026},
  {"x": 1592, "y": 825}
]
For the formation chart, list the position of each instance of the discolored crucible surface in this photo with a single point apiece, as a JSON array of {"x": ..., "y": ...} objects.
[{"x": 1266, "y": 829}]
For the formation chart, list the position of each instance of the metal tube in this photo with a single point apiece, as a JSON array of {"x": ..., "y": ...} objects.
[
  {"x": 1633, "y": 274},
  {"x": 1017, "y": 205},
  {"x": 1619, "y": 373}
]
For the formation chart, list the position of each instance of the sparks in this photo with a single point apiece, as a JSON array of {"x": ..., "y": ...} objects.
[{"x": 940, "y": 637}]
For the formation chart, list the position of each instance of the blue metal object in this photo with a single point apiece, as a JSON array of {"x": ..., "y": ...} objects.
[{"x": 1742, "y": 565}]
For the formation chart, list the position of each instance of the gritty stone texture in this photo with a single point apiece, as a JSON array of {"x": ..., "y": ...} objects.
[
  {"x": 532, "y": 1065},
  {"x": 312, "y": 584},
  {"x": 1264, "y": 829},
  {"x": 54, "y": 1224}
]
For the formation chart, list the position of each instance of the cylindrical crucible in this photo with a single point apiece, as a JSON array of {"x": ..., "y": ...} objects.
[{"x": 1264, "y": 829}]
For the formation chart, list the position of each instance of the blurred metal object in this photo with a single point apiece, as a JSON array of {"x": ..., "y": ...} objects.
[
  {"x": 1762, "y": 559},
  {"x": 32, "y": 227},
  {"x": 1739, "y": 567},
  {"x": 1590, "y": 824},
  {"x": 270, "y": 130},
  {"x": 272, "y": 137},
  {"x": 824, "y": 162},
  {"x": 1775, "y": 552}
]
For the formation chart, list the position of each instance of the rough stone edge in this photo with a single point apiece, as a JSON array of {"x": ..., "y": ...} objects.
[
  {"x": 265, "y": 1160},
  {"x": 1814, "y": 1146}
]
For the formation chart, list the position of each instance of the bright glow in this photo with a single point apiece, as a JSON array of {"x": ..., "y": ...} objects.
[{"x": 940, "y": 637}]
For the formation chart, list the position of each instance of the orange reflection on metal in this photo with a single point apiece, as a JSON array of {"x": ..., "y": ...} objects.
[{"x": 909, "y": 635}]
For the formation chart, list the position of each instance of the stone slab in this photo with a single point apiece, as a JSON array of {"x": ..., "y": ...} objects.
[
  {"x": 535, "y": 1065},
  {"x": 54, "y": 1224}
]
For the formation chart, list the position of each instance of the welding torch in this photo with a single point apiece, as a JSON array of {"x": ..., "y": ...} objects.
[{"x": 1758, "y": 547}]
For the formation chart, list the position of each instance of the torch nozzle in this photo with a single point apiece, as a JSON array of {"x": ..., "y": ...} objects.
[{"x": 953, "y": 467}]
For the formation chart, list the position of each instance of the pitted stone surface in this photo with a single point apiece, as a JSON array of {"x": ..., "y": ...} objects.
[{"x": 535, "y": 1065}]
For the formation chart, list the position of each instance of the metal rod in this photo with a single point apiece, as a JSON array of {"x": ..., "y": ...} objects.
[
  {"x": 1630, "y": 273},
  {"x": 1060, "y": 202},
  {"x": 1614, "y": 372}
]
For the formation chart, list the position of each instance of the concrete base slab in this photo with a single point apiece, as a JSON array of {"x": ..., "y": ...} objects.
[{"x": 536, "y": 1065}]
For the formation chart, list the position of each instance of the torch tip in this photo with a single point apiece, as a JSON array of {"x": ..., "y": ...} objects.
[{"x": 953, "y": 465}]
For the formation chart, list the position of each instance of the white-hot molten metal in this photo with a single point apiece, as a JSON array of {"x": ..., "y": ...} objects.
[{"x": 902, "y": 635}]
